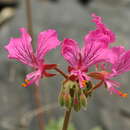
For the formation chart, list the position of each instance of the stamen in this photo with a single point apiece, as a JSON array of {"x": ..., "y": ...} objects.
[
  {"x": 26, "y": 84},
  {"x": 26, "y": 81},
  {"x": 84, "y": 82},
  {"x": 125, "y": 95}
]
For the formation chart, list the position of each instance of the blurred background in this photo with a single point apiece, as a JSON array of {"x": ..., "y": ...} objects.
[{"x": 71, "y": 18}]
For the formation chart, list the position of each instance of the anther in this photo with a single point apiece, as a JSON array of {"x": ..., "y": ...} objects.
[
  {"x": 84, "y": 82},
  {"x": 25, "y": 84},
  {"x": 125, "y": 95}
]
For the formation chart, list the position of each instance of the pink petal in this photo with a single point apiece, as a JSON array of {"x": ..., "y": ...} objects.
[
  {"x": 47, "y": 40},
  {"x": 111, "y": 88},
  {"x": 102, "y": 33},
  {"x": 117, "y": 51},
  {"x": 70, "y": 51},
  {"x": 122, "y": 63},
  {"x": 96, "y": 43},
  {"x": 34, "y": 77},
  {"x": 21, "y": 48},
  {"x": 112, "y": 54},
  {"x": 111, "y": 84},
  {"x": 94, "y": 52}
]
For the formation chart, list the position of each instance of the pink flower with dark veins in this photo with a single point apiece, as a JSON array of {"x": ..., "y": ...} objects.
[
  {"x": 120, "y": 65},
  {"x": 94, "y": 51},
  {"x": 21, "y": 50}
]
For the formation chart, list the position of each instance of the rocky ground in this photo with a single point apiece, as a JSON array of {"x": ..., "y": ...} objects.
[{"x": 71, "y": 19}]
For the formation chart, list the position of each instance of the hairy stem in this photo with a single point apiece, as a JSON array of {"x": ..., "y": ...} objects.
[
  {"x": 66, "y": 119},
  {"x": 37, "y": 94}
]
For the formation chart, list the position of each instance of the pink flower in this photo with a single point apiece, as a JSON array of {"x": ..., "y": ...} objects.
[
  {"x": 120, "y": 65},
  {"x": 94, "y": 50},
  {"x": 21, "y": 50}
]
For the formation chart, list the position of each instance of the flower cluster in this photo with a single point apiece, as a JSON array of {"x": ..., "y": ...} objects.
[{"x": 96, "y": 51}]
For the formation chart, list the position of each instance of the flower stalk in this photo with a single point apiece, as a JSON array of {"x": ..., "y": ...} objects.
[
  {"x": 66, "y": 119},
  {"x": 61, "y": 72},
  {"x": 37, "y": 94},
  {"x": 95, "y": 87}
]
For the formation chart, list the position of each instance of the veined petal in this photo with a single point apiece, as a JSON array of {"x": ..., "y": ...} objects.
[
  {"x": 70, "y": 51},
  {"x": 94, "y": 52},
  {"x": 102, "y": 33},
  {"x": 47, "y": 40},
  {"x": 96, "y": 43},
  {"x": 21, "y": 48},
  {"x": 112, "y": 54},
  {"x": 115, "y": 52},
  {"x": 122, "y": 63}
]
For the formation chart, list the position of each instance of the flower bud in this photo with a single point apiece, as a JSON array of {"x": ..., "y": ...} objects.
[
  {"x": 61, "y": 98},
  {"x": 67, "y": 93},
  {"x": 76, "y": 103},
  {"x": 77, "y": 107},
  {"x": 83, "y": 100},
  {"x": 67, "y": 100}
]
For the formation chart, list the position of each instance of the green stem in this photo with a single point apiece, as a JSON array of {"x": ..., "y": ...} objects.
[{"x": 66, "y": 119}]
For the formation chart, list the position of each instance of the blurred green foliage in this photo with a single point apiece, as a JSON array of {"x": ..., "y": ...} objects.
[
  {"x": 57, "y": 125},
  {"x": 97, "y": 128}
]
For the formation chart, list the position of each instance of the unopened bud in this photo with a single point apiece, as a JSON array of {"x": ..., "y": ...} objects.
[
  {"x": 83, "y": 100},
  {"x": 67, "y": 100},
  {"x": 76, "y": 103},
  {"x": 61, "y": 98}
]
